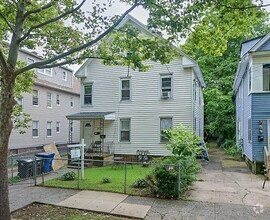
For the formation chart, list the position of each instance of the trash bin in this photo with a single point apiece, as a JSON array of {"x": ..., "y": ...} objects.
[
  {"x": 25, "y": 168},
  {"x": 47, "y": 161}
]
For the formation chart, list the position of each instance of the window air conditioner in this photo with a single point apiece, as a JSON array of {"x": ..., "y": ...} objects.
[{"x": 166, "y": 95}]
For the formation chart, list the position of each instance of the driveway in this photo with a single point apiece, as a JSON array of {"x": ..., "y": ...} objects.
[{"x": 225, "y": 180}]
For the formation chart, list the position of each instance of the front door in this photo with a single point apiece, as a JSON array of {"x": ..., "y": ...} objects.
[{"x": 88, "y": 133}]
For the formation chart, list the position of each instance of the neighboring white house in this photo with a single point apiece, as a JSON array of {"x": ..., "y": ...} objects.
[
  {"x": 55, "y": 94},
  {"x": 127, "y": 112}
]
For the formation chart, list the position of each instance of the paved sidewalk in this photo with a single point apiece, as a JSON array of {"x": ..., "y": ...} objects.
[{"x": 223, "y": 191}]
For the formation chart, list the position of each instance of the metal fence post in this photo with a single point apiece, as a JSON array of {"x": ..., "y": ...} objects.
[
  {"x": 179, "y": 178},
  {"x": 35, "y": 171},
  {"x": 12, "y": 174},
  {"x": 78, "y": 182},
  {"x": 125, "y": 176}
]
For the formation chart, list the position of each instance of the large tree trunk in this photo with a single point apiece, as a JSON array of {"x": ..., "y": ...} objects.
[{"x": 6, "y": 106}]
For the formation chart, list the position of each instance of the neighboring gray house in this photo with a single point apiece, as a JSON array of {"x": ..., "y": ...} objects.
[
  {"x": 127, "y": 112},
  {"x": 55, "y": 95},
  {"x": 252, "y": 99}
]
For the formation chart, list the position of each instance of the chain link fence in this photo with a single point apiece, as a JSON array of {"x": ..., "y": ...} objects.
[{"x": 115, "y": 175}]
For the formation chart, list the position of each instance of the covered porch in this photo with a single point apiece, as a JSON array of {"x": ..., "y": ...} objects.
[{"x": 93, "y": 131}]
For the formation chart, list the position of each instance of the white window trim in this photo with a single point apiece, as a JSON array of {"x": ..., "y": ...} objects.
[
  {"x": 47, "y": 99},
  {"x": 47, "y": 128},
  {"x": 130, "y": 89},
  {"x": 163, "y": 117},
  {"x": 37, "y": 97},
  {"x": 167, "y": 75},
  {"x": 22, "y": 102},
  {"x": 30, "y": 58},
  {"x": 46, "y": 73},
  {"x": 35, "y": 137},
  {"x": 64, "y": 72},
  {"x": 56, "y": 99},
  {"x": 83, "y": 93},
  {"x": 58, "y": 123},
  {"x": 71, "y": 101},
  {"x": 120, "y": 126},
  {"x": 249, "y": 140}
]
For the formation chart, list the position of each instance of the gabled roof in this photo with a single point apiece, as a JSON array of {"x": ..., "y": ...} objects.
[
  {"x": 81, "y": 72},
  {"x": 254, "y": 45}
]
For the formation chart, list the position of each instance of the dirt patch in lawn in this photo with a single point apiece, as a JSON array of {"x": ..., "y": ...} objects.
[{"x": 38, "y": 211}]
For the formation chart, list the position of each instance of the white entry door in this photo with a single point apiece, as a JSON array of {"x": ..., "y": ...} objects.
[{"x": 88, "y": 134}]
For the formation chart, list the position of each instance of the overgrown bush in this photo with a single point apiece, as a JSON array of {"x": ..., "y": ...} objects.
[
  {"x": 233, "y": 151},
  {"x": 166, "y": 180},
  {"x": 106, "y": 180},
  {"x": 163, "y": 182},
  {"x": 69, "y": 176},
  {"x": 140, "y": 183}
]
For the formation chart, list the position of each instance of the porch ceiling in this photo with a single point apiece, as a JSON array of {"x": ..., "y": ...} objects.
[{"x": 91, "y": 115}]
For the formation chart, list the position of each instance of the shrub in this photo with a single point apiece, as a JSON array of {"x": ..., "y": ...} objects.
[
  {"x": 140, "y": 183},
  {"x": 106, "y": 180},
  {"x": 163, "y": 180},
  {"x": 69, "y": 176}
]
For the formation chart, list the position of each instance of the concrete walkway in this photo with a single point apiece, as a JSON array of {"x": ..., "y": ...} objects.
[
  {"x": 225, "y": 190},
  {"x": 225, "y": 180}
]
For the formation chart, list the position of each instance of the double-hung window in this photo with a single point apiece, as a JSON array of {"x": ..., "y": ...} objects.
[
  {"x": 249, "y": 131},
  {"x": 49, "y": 99},
  {"x": 30, "y": 61},
  {"x": 57, "y": 99},
  {"x": 125, "y": 129},
  {"x": 49, "y": 128},
  {"x": 266, "y": 77},
  {"x": 64, "y": 75},
  {"x": 87, "y": 96},
  {"x": 35, "y": 126},
  {"x": 125, "y": 89},
  {"x": 71, "y": 102},
  {"x": 35, "y": 97},
  {"x": 165, "y": 123},
  {"x": 57, "y": 127},
  {"x": 166, "y": 86}
]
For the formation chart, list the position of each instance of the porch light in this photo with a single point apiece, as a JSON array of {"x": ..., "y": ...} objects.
[{"x": 87, "y": 125}]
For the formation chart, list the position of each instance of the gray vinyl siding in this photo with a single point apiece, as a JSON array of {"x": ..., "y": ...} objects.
[
  {"x": 145, "y": 107},
  {"x": 260, "y": 112},
  {"x": 43, "y": 114},
  {"x": 246, "y": 116},
  {"x": 198, "y": 108},
  {"x": 57, "y": 72}
]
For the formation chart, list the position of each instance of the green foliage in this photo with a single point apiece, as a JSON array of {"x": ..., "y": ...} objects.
[
  {"x": 106, "y": 180},
  {"x": 163, "y": 182},
  {"x": 14, "y": 179},
  {"x": 69, "y": 176},
  {"x": 219, "y": 68},
  {"x": 231, "y": 149},
  {"x": 182, "y": 142},
  {"x": 166, "y": 180},
  {"x": 140, "y": 183}
]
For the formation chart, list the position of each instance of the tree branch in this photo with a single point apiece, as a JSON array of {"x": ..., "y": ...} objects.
[
  {"x": 3, "y": 61},
  {"x": 70, "y": 61},
  {"x": 77, "y": 49},
  {"x": 44, "y": 7},
  {"x": 242, "y": 8},
  {"x": 6, "y": 21},
  {"x": 51, "y": 21}
]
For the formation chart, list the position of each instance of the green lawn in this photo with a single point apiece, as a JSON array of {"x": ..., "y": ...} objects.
[{"x": 94, "y": 176}]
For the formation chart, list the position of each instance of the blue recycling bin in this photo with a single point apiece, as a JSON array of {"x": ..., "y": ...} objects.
[{"x": 47, "y": 161}]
